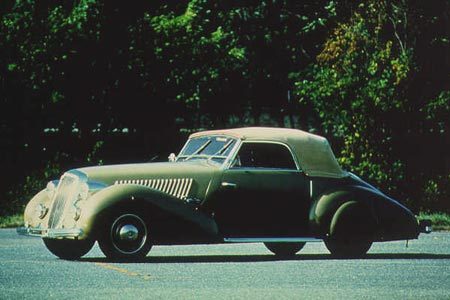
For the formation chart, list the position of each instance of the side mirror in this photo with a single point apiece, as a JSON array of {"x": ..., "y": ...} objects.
[{"x": 172, "y": 157}]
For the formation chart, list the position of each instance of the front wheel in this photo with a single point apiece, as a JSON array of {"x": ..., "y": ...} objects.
[
  {"x": 284, "y": 249},
  {"x": 68, "y": 249},
  {"x": 125, "y": 236}
]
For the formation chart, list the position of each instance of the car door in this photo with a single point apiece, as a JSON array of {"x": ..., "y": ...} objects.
[{"x": 262, "y": 193}]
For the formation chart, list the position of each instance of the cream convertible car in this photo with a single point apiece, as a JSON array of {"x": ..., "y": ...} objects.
[{"x": 281, "y": 187}]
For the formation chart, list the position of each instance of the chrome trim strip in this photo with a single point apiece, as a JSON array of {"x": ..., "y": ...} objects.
[
  {"x": 163, "y": 187},
  {"x": 183, "y": 188},
  {"x": 229, "y": 184},
  {"x": 158, "y": 184},
  {"x": 177, "y": 188},
  {"x": 271, "y": 240},
  {"x": 173, "y": 184},
  {"x": 188, "y": 188},
  {"x": 167, "y": 186},
  {"x": 180, "y": 187},
  {"x": 50, "y": 233},
  {"x": 176, "y": 184}
]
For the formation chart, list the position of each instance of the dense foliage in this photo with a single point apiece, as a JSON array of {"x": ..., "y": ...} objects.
[{"x": 92, "y": 81}]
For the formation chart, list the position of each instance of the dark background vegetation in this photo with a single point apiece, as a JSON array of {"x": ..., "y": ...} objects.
[{"x": 95, "y": 82}]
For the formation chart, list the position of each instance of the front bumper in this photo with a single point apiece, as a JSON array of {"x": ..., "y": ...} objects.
[{"x": 50, "y": 233}]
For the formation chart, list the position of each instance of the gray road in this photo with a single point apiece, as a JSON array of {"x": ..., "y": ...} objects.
[{"x": 244, "y": 271}]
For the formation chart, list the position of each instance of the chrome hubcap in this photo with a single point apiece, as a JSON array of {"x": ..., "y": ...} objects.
[{"x": 128, "y": 234}]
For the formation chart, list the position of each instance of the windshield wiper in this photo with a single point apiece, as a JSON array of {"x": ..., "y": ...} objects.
[
  {"x": 199, "y": 150},
  {"x": 223, "y": 149}
]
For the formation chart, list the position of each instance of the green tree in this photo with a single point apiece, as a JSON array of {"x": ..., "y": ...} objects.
[
  {"x": 94, "y": 81},
  {"x": 224, "y": 59},
  {"x": 369, "y": 88}
]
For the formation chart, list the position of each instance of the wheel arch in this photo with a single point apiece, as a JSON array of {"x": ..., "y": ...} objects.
[
  {"x": 326, "y": 206},
  {"x": 149, "y": 200}
]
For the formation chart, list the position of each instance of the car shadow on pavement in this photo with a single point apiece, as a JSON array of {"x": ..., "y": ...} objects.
[{"x": 264, "y": 258}]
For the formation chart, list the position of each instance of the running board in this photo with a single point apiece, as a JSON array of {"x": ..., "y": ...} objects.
[{"x": 271, "y": 240}]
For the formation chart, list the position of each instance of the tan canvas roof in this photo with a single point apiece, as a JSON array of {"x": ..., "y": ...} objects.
[{"x": 313, "y": 152}]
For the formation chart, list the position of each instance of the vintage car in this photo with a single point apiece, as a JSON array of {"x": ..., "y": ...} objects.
[{"x": 282, "y": 187}]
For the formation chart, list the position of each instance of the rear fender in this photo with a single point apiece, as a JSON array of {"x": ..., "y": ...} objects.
[
  {"x": 130, "y": 194},
  {"x": 396, "y": 221},
  {"x": 326, "y": 205}
]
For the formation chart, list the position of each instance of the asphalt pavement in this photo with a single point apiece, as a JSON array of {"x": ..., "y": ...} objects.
[{"x": 232, "y": 271}]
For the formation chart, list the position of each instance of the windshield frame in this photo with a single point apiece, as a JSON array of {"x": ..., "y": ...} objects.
[{"x": 210, "y": 158}]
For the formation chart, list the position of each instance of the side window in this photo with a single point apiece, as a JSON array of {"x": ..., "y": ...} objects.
[{"x": 264, "y": 155}]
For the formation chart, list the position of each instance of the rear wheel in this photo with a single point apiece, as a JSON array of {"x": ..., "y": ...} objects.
[
  {"x": 348, "y": 248},
  {"x": 125, "y": 236},
  {"x": 68, "y": 249},
  {"x": 351, "y": 231},
  {"x": 284, "y": 249}
]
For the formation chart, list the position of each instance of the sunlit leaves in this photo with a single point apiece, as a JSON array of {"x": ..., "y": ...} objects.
[{"x": 359, "y": 89}]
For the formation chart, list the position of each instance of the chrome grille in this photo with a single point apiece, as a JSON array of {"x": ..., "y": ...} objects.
[
  {"x": 177, "y": 187},
  {"x": 64, "y": 196}
]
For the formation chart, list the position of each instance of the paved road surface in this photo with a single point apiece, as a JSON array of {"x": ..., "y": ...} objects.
[{"x": 233, "y": 271}]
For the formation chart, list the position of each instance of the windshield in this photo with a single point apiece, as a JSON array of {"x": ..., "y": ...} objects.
[{"x": 215, "y": 148}]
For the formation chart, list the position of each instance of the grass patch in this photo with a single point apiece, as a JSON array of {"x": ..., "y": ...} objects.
[
  {"x": 11, "y": 221},
  {"x": 439, "y": 221}
]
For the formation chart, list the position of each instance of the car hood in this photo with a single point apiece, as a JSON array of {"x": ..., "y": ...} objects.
[{"x": 171, "y": 177}]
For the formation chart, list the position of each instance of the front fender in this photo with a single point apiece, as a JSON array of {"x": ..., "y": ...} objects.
[
  {"x": 131, "y": 193},
  {"x": 30, "y": 217}
]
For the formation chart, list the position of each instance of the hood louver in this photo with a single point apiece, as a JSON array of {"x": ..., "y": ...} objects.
[{"x": 179, "y": 187}]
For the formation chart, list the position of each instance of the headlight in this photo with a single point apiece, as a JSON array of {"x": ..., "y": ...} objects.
[
  {"x": 83, "y": 194},
  {"x": 41, "y": 210}
]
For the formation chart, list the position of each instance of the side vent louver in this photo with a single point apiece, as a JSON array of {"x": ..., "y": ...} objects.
[{"x": 177, "y": 187}]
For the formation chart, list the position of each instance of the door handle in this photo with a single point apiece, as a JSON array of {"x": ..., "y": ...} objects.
[{"x": 229, "y": 185}]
